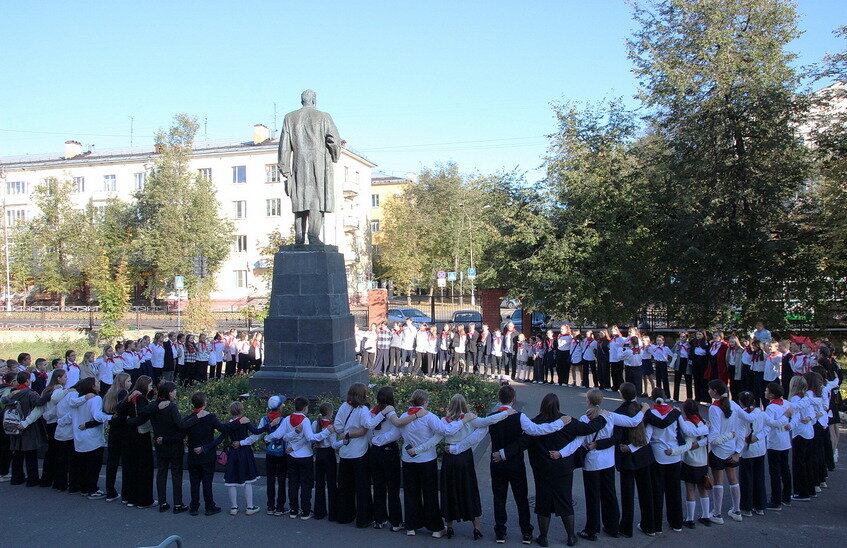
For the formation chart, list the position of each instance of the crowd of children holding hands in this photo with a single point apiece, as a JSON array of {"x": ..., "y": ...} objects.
[{"x": 353, "y": 463}]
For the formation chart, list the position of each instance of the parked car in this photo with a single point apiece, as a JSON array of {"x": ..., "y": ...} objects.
[
  {"x": 466, "y": 317},
  {"x": 539, "y": 320},
  {"x": 401, "y": 314},
  {"x": 510, "y": 303}
]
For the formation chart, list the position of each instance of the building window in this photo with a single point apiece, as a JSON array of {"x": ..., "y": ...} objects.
[
  {"x": 239, "y": 209},
  {"x": 140, "y": 180},
  {"x": 274, "y": 207},
  {"x": 15, "y": 216},
  {"x": 357, "y": 178},
  {"x": 110, "y": 183},
  {"x": 240, "y": 278},
  {"x": 15, "y": 187},
  {"x": 271, "y": 173},
  {"x": 205, "y": 172},
  {"x": 240, "y": 243},
  {"x": 239, "y": 175},
  {"x": 346, "y": 174},
  {"x": 98, "y": 212},
  {"x": 374, "y": 200},
  {"x": 374, "y": 227},
  {"x": 79, "y": 184}
]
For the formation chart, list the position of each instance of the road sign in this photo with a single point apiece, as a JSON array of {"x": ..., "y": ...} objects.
[
  {"x": 452, "y": 276},
  {"x": 442, "y": 282},
  {"x": 472, "y": 273},
  {"x": 441, "y": 274},
  {"x": 179, "y": 283}
]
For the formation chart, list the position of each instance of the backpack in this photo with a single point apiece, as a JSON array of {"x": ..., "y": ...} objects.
[
  {"x": 12, "y": 419},
  {"x": 275, "y": 448}
]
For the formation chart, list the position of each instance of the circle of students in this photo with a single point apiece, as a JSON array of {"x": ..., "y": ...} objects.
[{"x": 356, "y": 464}]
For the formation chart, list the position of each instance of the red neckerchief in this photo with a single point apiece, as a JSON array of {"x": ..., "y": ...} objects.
[
  {"x": 450, "y": 419},
  {"x": 777, "y": 401},
  {"x": 445, "y": 334},
  {"x": 72, "y": 364},
  {"x": 40, "y": 375},
  {"x": 413, "y": 410},
  {"x": 296, "y": 419},
  {"x": 375, "y": 410},
  {"x": 510, "y": 331},
  {"x": 22, "y": 387},
  {"x": 203, "y": 346},
  {"x": 663, "y": 408},
  {"x": 110, "y": 360},
  {"x": 504, "y": 408},
  {"x": 497, "y": 338},
  {"x": 195, "y": 411},
  {"x": 325, "y": 423},
  {"x": 273, "y": 415},
  {"x": 750, "y": 409},
  {"x": 693, "y": 418},
  {"x": 134, "y": 397},
  {"x": 716, "y": 403},
  {"x": 234, "y": 419}
]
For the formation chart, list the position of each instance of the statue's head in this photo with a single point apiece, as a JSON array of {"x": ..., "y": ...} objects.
[{"x": 308, "y": 98}]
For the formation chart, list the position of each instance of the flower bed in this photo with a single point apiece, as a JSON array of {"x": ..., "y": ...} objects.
[{"x": 480, "y": 394}]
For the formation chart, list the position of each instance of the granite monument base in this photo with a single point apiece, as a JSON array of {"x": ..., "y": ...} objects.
[{"x": 309, "y": 338}]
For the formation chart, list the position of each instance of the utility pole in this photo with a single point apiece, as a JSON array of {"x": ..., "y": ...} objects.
[
  {"x": 470, "y": 240},
  {"x": 6, "y": 245}
]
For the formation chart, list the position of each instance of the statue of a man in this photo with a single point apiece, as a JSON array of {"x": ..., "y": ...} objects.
[{"x": 308, "y": 147}]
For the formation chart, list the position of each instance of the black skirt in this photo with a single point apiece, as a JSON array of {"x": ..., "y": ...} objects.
[
  {"x": 693, "y": 474},
  {"x": 459, "y": 489},
  {"x": 554, "y": 495},
  {"x": 240, "y": 466}
]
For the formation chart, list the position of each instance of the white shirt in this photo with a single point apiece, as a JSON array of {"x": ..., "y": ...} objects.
[
  {"x": 779, "y": 439},
  {"x": 661, "y": 439},
  {"x": 72, "y": 374},
  {"x": 90, "y": 438},
  {"x": 661, "y": 353},
  {"x": 350, "y": 418},
  {"x": 420, "y": 431},
  {"x": 157, "y": 355},
  {"x": 756, "y": 424},
  {"x": 632, "y": 358},
  {"x": 600, "y": 459},
  {"x": 725, "y": 433},
  {"x": 217, "y": 354},
  {"x": 773, "y": 366},
  {"x": 130, "y": 361},
  {"x": 696, "y": 432},
  {"x": 386, "y": 428},
  {"x": 422, "y": 341},
  {"x": 64, "y": 421},
  {"x": 563, "y": 343},
  {"x": 107, "y": 368},
  {"x": 616, "y": 349},
  {"x": 302, "y": 448},
  {"x": 801, "y": 408},
  {"x": 590, "y": 348},
  {"x": 407, "y": 337}
]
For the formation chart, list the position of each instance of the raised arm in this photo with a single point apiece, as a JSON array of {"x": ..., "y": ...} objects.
[
  {"x": 534, "y": 429},
  {"x": 471, "y": 441}
]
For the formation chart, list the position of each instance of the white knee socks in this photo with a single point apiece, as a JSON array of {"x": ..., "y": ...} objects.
[
  {"x": 717, "y": 496},
  {"x": 248, "y": 494},
  {"x": 705, "y": 512},
  {"x": 233, "y": 496},
  {"x": 735, "y": 493},
  {"x": 689, "y": 510}
]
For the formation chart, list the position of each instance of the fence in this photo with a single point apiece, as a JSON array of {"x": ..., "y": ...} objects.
[{"x": 437, "y": 309}]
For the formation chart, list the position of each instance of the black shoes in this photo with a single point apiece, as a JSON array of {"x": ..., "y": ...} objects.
[
  {"x": 689, "y": 523},
  {"x": 527, "y": 538},
  {"x": 180, "y": 508},
  {"x": 194, "y": 512},
  {"x": 572, "y": 541},
  {"x": 587, "y": 536},
  {"x": 477, "y": 534},
  {"x": 164, "y": 507},
  {"x": 542, "y": 541},
  {"x": 213, "y": 511}
]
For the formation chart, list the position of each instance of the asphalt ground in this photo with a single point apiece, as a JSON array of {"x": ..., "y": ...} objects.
[{"x": 38, "y": 517}]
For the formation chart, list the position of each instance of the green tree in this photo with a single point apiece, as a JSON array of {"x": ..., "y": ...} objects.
[
  {"x": 48, "y": 248},
  {"x": 179, "y": 222},
  {"x": 112, "y": 285},
  {"x": 718, "y": 81}
]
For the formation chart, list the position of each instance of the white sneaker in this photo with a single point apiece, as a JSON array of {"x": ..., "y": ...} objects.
[
  {"x": 716, "y": 520},
  {"x": 735, "y": 515},
  {"x": 835, "y": 455},
  {"x": 823, "y": 484},
  {"x": 411, "y": 533},
  {"x": 7, "y": 477},
  {"x": 817, "y": 489},
  {"x": 233, "y": 511},
  {"x": 396, "y": 528}
]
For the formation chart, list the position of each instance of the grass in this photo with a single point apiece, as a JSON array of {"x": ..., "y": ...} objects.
[{"x": 47, "y": 348}]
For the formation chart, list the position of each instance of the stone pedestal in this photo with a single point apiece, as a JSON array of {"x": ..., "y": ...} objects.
[{"x": 309, "y": 340}]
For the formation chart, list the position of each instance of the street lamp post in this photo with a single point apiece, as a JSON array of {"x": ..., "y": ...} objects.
[{"x": 470, "y": 230}]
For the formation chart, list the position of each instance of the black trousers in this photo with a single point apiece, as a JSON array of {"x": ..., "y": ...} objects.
[
  {"x": 662, "y": 377},
  {"x": 114, "y": 452},
  {"x": 759, "y": 387},
  {"x": 780, "y": 474},
  {"x": 603, "y": 374},
  {"x": 431, "y": 363},
  {"x": 138, "y": 459},
  {"x": 201, "y": 474},
  {"x": 169, "y": 462},
  {"x": 698, "y": 369},
  {"x": 563, "y": 364},
  {"x": 300, "y": 472},
  {"x": 276, "y": 470},
  {"x": 48, "y": 470},
  {"x": 677, "y": 379},
  {"x": 472, "y": 360},
  {"x": 64, "y": 457},
  {"x": 666, "y": 490},
  {"x": 502, "y": 477},
  {"x": 634, "y": 375},
  {"x": 326, "y": 476},
  {"x": 420, "y": 495},
  {"x": 630, "y": 481},
  {"x": 616, "y": 369},
  {"x": 30, "y": 459},
  {"x": 381, "y": 363},
  {"x": 510, "y": 363},
  {"x": 589, "y": 366},
  {"x": 394, "y": 355},
  {"x": 5, "y": 453},
  {"x": 385, "y": 474},
  {"x": 354, "y": 491},
  {"x": 600, "y": 493},
  {"x": 800, "y": 449},
  {"x": 537, "y": 369},
  {"x": 751, "y": 478},
  {"x": 91, "y": 462},
  {"x": 550, "y": 366}
]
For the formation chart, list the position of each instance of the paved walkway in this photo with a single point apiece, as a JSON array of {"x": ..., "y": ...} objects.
[{"x": 43, "y": 517}]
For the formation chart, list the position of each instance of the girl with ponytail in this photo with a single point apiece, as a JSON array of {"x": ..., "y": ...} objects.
[{"x": 725, "y": 448}]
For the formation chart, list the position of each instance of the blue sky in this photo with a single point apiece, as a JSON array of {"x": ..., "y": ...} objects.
[{"x": 408, "y": 84}]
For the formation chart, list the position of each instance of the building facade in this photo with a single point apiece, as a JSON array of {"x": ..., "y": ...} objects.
[
  {"x": 383, "y": 188},
  {"x": 248, "y": 188}
]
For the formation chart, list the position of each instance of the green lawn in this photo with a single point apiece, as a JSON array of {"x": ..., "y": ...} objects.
[{"x": 47, "y": 348}]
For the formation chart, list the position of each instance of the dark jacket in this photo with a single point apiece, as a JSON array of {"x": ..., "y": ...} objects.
[
  {"x": 34, "y": 435},
  {"x": 201, "y": 433},
  {"x": 170, "y": 361},
  {"x": 168, "y": 425},
  {"x": 472, "y": 340},
  {"x": 543, "y": 467}
]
